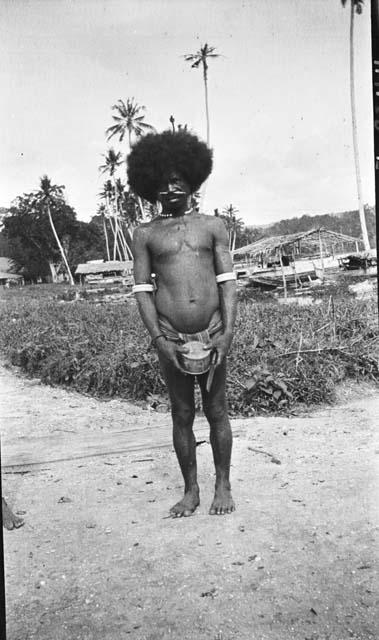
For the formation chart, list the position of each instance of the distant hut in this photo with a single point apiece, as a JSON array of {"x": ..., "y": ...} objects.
[
  {"x": 8, "y": 277},
  {"x": 105, "y": 272},
  {"x": 290, "y": 257}
]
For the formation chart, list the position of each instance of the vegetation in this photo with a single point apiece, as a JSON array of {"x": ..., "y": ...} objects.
[
  {"x": 346, "y": 222},
  {"x": 28, "y": 238},
  {"x": 48, "y": 195},
  {"x": 130, "y": 118},
  {"x": 282, "y": 356},
  {"x": 200, "y": 58}
]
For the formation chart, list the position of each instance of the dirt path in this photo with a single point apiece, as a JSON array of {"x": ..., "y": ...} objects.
[{"x": 98, "y": 560}]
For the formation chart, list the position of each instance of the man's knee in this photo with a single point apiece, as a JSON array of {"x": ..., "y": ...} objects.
[
  {"x": 182, "y": 414},
  {"x": 215, "y": 411}
]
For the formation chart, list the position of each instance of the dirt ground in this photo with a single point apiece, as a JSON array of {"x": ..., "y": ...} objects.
[{"x": 97, "y": 557}]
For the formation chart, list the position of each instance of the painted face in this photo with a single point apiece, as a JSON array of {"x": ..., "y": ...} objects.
[{"x": 174, "y": 193}]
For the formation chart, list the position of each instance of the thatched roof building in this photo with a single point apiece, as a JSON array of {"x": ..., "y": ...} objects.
[
  {"x": 98, "y": 270},
  {"x": 309, "y": 242},
  {"x": 7, "y": 275}
]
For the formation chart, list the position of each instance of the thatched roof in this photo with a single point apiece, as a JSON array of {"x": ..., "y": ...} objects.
[
  {"x": 308, "y": 240},
  {"x": 7, "y": 265},
  {"x": 5, "y": 275},
  {"x": 104, "y": 267}
]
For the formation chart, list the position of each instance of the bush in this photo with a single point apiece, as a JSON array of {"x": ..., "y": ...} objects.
[{"x": 281, "y": 355}]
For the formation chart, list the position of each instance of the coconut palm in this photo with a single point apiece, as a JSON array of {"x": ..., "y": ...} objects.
[
  {"x": 356, "y": 7},
  {"x": 101, "y": 212},
  {"x": 201, "y": 58},
  {"x": 233, "y": 224},
  {"x": 130, "y": 118},
  {"x": 113, "y": 160},
  {"x": 48, "y": 195}
]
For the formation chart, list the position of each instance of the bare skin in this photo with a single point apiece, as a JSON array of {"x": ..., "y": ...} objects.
[
  {"x": 186, "y": 252},
  {"x": 10, "y": 520}
]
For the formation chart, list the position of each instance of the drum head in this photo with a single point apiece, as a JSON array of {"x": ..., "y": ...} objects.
[{"x": 197, "y": 360}]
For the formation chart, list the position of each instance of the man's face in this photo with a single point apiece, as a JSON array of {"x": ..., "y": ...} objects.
[{"x": 174, "y": 193}]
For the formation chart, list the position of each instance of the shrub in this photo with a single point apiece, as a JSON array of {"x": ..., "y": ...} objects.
[{"x": 281, "y": 355}]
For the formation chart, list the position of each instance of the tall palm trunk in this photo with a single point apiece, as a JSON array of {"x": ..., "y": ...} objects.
[
  {"x": 106, "y": 237},
  {"x": 203, "y": 189},
  {"x": 71, "y": 279},
  {"x": 355, "y": 137},
  {"x": 205, "y": 74},
  {"x": 53, "y": 271},
  {"x": 138, "y": 197},
  {"x": 115, "y": 219}
]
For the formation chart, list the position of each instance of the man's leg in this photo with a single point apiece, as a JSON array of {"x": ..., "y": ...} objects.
[
  {"x": 10, "y": 520},
  {"x": 181, "y": 392},
  {"x": 216, "y": 412}
]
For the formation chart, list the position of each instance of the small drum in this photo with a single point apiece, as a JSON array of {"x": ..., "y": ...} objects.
[{"x": 197, "y": 360}]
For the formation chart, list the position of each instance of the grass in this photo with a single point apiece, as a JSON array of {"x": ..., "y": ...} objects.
[{"x": 282, "y": 356}]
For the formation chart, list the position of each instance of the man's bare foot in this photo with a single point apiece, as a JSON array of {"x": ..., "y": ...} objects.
[
  {"x": 222, "y": 502},
  {"x": 187, "y": 505},
  {"x": 10, "y": 521}
]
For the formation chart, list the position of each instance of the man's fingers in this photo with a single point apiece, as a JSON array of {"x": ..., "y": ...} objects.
[
  {"x": 182, "y": 349},
  {"x": 178, "y": 366}
]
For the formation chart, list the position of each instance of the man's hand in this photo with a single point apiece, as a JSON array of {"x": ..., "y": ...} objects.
[
  {"x": 169, "y": 350},
  {"x": 220, "y": 345}
]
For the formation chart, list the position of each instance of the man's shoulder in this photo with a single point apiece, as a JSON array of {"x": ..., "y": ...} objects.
[
  {"x": 144, "y": 228},
  {"x": 209, "y": 220},
  {"x": 213, "y": 223}
]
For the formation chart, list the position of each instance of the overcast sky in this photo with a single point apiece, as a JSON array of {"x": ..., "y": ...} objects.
[{"x": 279, "y": 96}]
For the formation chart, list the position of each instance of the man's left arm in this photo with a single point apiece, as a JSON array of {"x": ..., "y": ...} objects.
[{"x": 227, "y": 288}]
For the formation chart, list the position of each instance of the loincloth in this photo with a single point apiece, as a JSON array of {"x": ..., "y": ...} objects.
[{"x": 215, "y": 326}]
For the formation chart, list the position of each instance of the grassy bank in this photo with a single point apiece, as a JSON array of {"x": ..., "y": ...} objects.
[{"x": 281, "y": 355}]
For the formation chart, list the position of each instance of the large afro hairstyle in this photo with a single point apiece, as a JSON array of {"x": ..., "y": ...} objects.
[{"x": 156, "y": 156}]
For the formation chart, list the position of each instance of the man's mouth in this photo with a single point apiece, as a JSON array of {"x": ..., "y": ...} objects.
[{"x": 172, "y": 194}]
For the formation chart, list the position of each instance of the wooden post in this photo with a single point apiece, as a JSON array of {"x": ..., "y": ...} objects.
[
  {"x": 283, "y": 274},
  {"x": 321, "y": 257},
  {"x": 294, "y": 268}
]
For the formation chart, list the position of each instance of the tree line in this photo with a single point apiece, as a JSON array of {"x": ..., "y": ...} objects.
[{"x": 41, "y": 232}]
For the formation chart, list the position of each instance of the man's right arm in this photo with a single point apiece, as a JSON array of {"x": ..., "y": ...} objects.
[
  {"x": 145, "y": 299},
  {"x": 142, "y": 275}
]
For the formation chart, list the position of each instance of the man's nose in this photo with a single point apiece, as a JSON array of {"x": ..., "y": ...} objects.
[{"x": 171, "y": 187}]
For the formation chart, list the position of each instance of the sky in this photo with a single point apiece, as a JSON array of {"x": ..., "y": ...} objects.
[{"x": 279, "y": 97}]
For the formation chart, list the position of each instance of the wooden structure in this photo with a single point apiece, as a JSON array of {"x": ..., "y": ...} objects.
[
  {"x": 8, "y": 278},
  {"x": 101, "y": 271},
  {"x": 302, "y": 252}
]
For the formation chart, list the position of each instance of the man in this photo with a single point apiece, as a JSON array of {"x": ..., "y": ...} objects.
[{"x": 193, "y": 298}]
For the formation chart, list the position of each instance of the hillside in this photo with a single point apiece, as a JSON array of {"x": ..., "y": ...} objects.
[{"x": 346, "y": 222}]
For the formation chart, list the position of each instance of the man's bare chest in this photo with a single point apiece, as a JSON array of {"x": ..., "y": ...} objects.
[{"x": 179, "y": 237}]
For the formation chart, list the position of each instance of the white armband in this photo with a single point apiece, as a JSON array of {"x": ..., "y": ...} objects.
[
  {"x": 223, "y": 277},
  {"x": 143, "y": 287}
]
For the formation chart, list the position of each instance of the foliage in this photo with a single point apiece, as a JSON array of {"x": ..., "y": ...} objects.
[
  {"x": 129, "y": 118},
  {"x": 30, "y": 242},
  {"x": 282, "y": 356},
  {"x": 346, "y": 222}
]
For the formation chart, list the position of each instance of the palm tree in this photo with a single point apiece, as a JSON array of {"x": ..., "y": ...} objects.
[
  {"x": 233, "y": 224},
  {"x": 47, "y": 195},
  {"x": 356, "y": 6},
  {"x": 101, "y": 212},
  {"x": 130, "y": 119},
  {"x": 201, "y": 58},
  {"x": 112, "y": 161}
]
